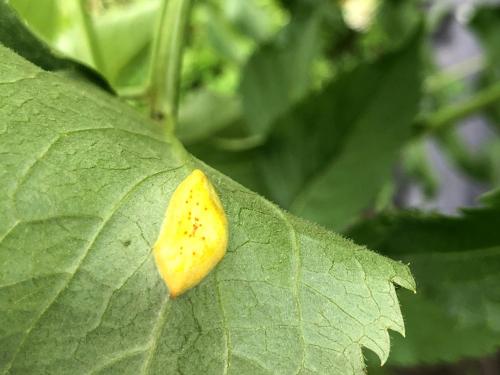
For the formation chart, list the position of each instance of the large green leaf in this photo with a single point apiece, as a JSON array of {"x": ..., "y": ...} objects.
[
  {"x": 84, "y": 182},
  {"x": 456, "y": 312},
  {"x": 329, "y": 156}
]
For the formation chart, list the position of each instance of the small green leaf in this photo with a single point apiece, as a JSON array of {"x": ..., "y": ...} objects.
[{"x": 84, "y": 183}]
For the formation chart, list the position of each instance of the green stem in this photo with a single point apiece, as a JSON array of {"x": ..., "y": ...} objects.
[
  {"x": 93, "y": 40},
  {"x": 449, "y": 115},
  {"x": 167, "y": 60}
]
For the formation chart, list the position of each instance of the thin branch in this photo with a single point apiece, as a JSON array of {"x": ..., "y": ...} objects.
[{"x": 450, "y": 115}]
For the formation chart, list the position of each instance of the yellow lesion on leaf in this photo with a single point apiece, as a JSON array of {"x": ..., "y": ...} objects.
[{"x": 194, "y": 234}]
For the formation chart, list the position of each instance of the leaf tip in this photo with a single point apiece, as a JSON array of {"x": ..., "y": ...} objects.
[{"x": 403, "y": 277}]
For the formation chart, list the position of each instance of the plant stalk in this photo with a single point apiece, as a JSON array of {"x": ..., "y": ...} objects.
[
  {"x": 167, "y": 61},
  {"x": 449, "y": 115}
]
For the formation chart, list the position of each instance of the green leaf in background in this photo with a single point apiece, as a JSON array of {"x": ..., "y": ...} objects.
[
  {"x": 486, "y": 25},
  {"x": 222, "y": 35},
  {"x": 42, "y": 15},
  {"x": 203, "y": 113},
  {"x": 329, "y": 156},
  {"x": 124, "y": 36},
  {"x": 84, "y": 182},
  {"x": 15, "y": 35},
  {"x": 123, "y": 55},
  {"x": 456, "y": 312},
  {"x": 278, "y": 75}
]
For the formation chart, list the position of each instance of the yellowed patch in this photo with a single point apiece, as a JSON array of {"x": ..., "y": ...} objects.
[{"x": 194, "y": 234}]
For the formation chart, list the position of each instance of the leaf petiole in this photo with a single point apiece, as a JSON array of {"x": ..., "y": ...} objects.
[{"x": 167, "y": 61}]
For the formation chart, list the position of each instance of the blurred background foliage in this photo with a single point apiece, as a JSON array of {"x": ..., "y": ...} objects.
[{"x": 353, "y": 114}]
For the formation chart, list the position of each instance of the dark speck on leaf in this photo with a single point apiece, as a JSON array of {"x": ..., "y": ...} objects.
[{"x": 127, "y": 243}]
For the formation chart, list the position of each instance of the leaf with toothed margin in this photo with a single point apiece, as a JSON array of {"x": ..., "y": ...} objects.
[
  {"x": 84, "y": 183},
  {"x": 456, "y": 313}
]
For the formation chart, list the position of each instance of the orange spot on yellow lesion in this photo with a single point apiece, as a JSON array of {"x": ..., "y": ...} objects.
[{"x": 183, "y": 270}]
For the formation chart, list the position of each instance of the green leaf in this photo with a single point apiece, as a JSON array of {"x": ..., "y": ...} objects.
[
  {"x": 127, "y": 54},
  {"x": 278, "y": 75},
  {"x": 456, "y": 312},
  {"x": 84, "y": 183},
  {"x": 42, "y": 15},
  {"x": 203, "y": 113},
  {"x": 331, "y": 171},
  {"x": 15, "y": 35},
  {"x": 329, "y": 156},
  {"x": 486, "y": 25}
]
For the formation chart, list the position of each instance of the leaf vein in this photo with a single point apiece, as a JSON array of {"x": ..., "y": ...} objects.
[{"x": 86, "y": 252}]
